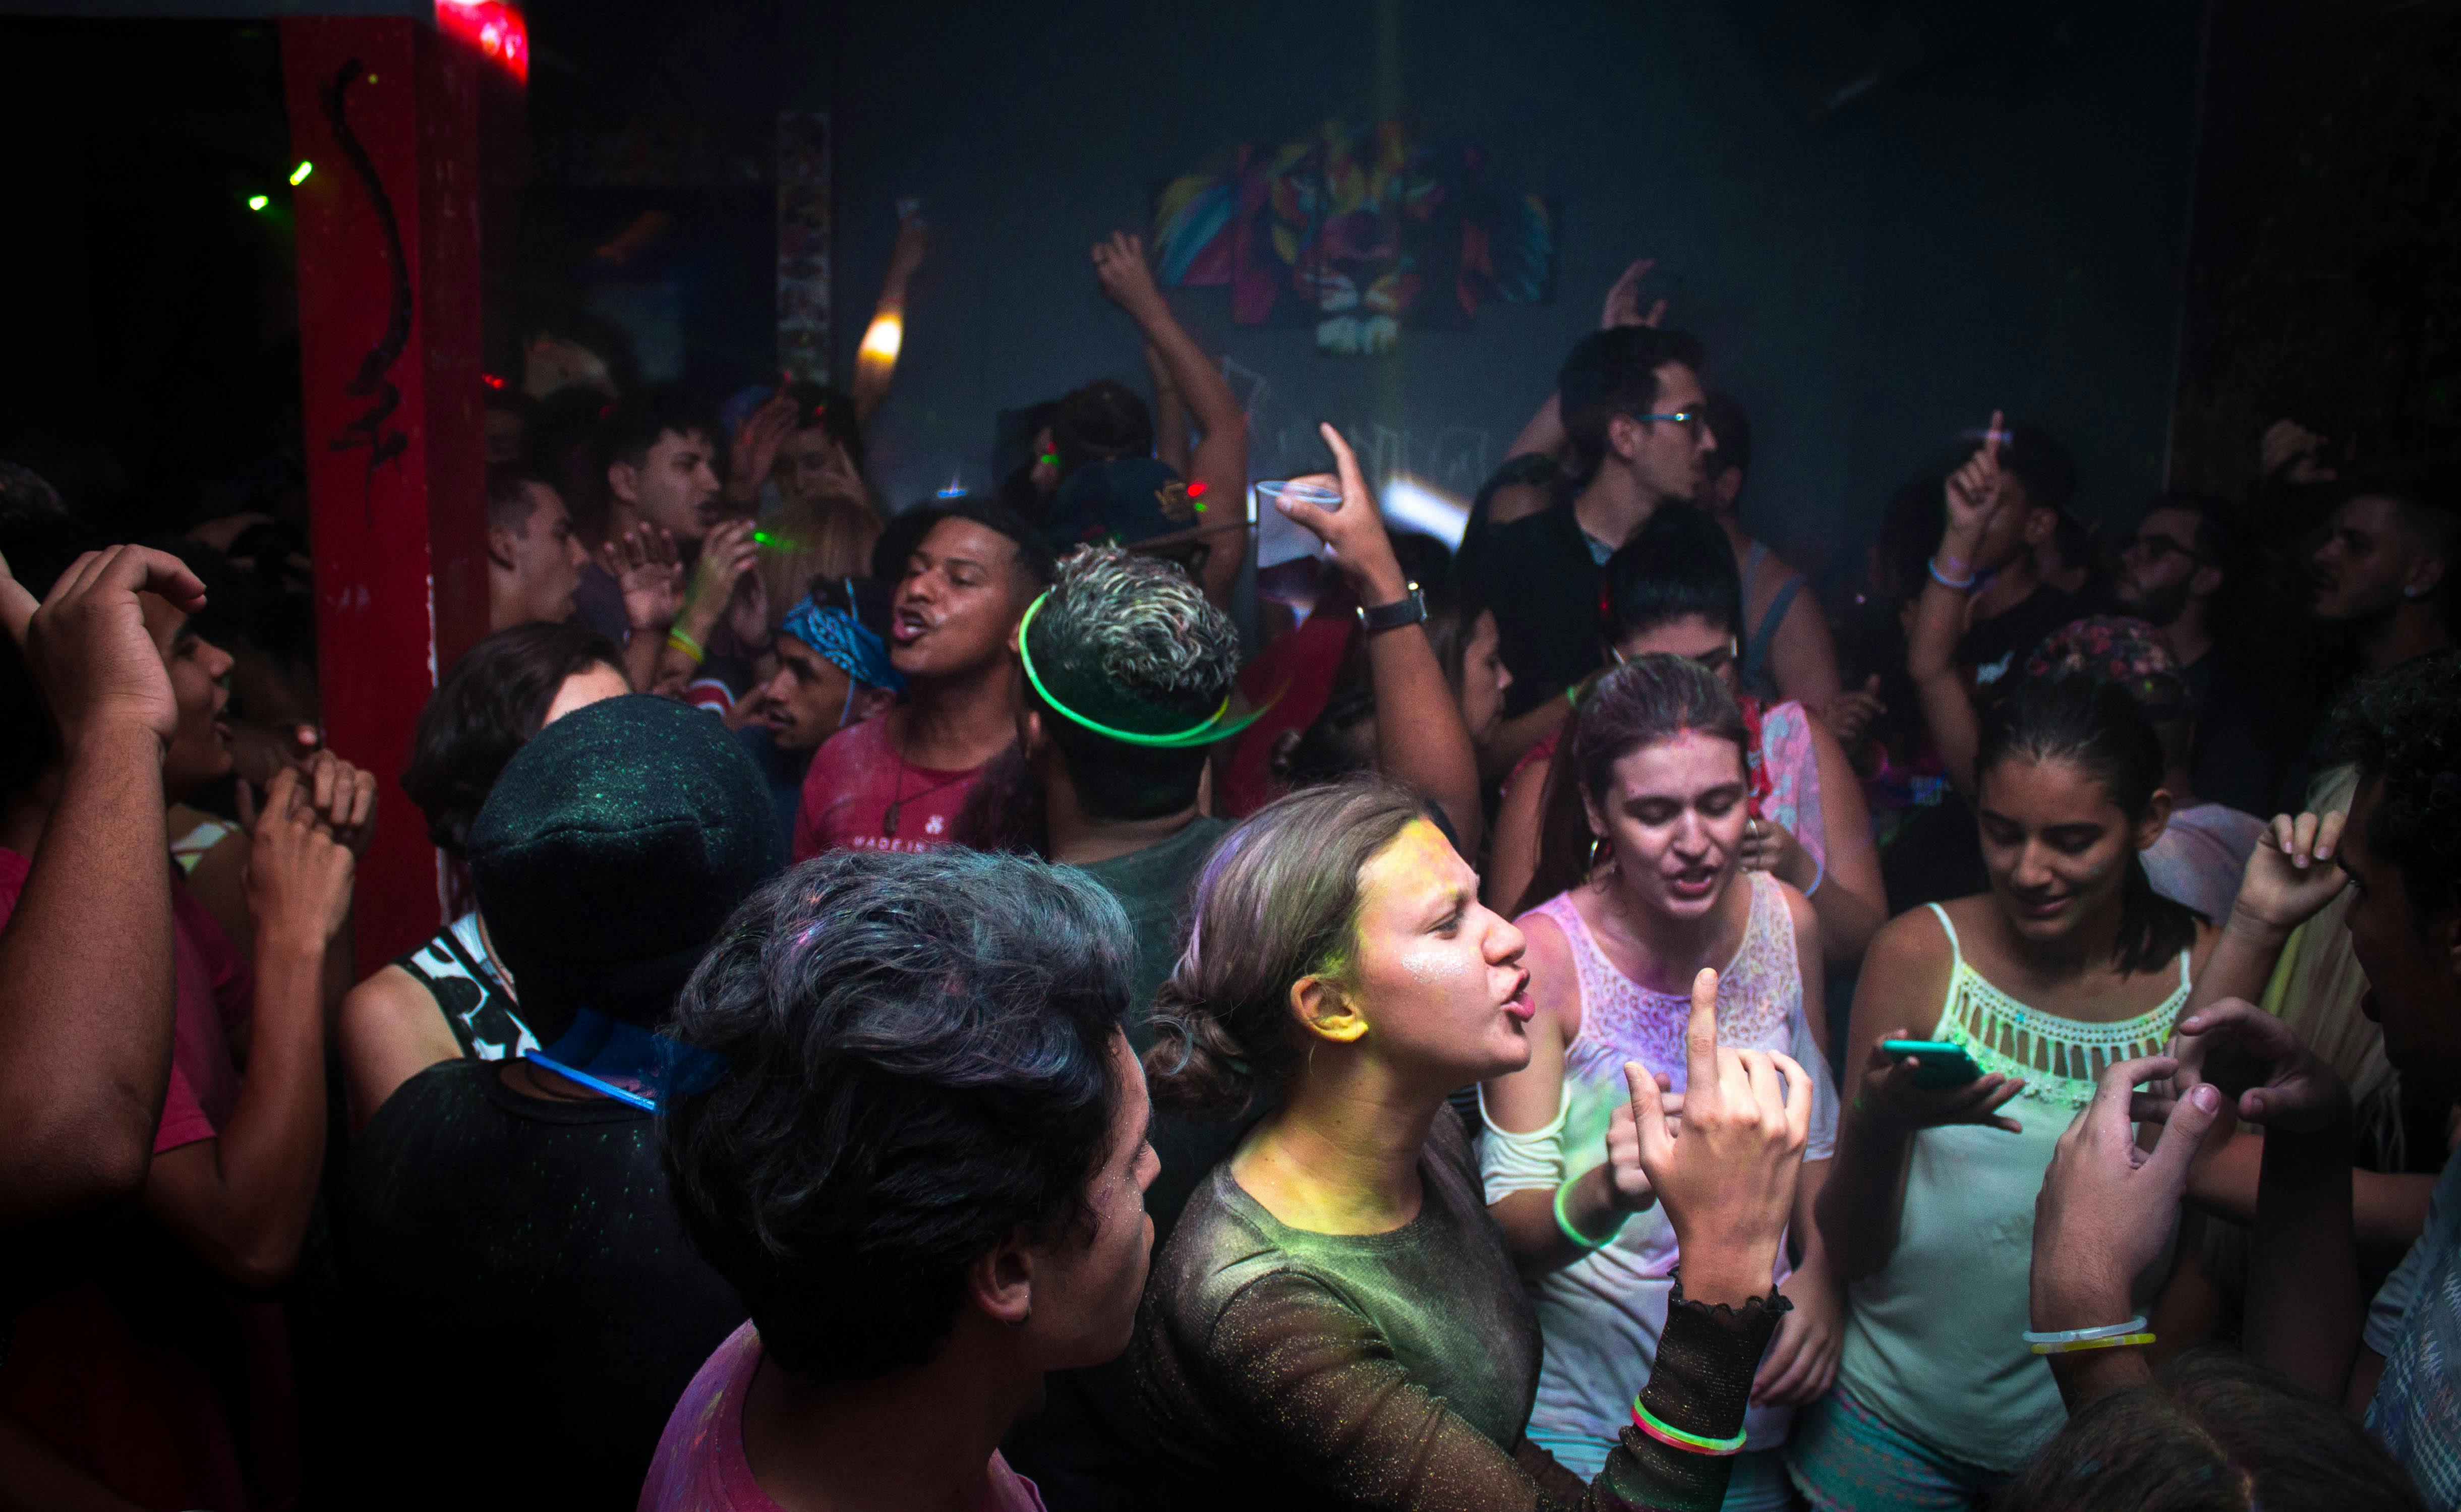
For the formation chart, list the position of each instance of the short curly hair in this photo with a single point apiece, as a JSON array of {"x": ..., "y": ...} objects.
[
  {"x": 916, "y": 1054},
  {"x": 1130, "y": 642},
  {"x": 2405, "y": 728}
]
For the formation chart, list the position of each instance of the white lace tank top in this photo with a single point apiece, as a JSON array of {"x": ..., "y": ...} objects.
[{"x": 1601, "y": 1316}]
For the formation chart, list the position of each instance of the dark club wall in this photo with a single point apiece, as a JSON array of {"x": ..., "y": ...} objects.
[{"x": 2005, "y": 228}]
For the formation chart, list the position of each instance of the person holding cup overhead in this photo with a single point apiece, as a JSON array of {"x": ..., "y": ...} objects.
[{"x": 1335, "y": 1321}]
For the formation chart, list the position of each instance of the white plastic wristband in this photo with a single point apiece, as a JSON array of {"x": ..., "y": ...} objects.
[{"x": 2112, "y": 1330}]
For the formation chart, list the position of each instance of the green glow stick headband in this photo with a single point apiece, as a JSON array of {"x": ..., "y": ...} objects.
[{"x": 1202, "y": 735}]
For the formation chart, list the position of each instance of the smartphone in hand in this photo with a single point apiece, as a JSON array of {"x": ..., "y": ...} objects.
[{"x": 1940, "y": 1064}]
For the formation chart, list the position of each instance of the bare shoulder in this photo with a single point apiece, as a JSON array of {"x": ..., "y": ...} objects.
[
  {"x": 1912, "y": 942},
  {"x": 387, "y": 998},
  {"x": 1554, "y": 976},
  {"x": 1544, "y": 952}
]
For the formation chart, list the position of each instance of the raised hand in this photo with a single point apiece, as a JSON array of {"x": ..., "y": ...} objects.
[
  {"x": 1889, "y": 1096},
  {"x": 298, "y": 872},
  {"x": 2290, "y": 449},
  {"x": 754, "y": 449},
  {"x": 1120, "y": 267},
  {"x": 2108, "y": 1206},
  {"x": 747, "y": 612},
  {"x": 1626, "y": 1178},
  {"x": 2259, "y": 1065},
  {"x": 2290, "y": 874},
  {"x": 727, "y": 553},
  {"x": 1771, "y": 847},
  {"x": 642, "y": 561},
  {"x": 343, "y": 799},
  {"x": 87, "y": 643},
  {"x": 1972, "y": 491},
  {"x": 1355, "y": 529},
  {"x": 1728, "y": 1182},
  {"x": 1850, "y": 714},
  {"x": 1623, "y": 299}
]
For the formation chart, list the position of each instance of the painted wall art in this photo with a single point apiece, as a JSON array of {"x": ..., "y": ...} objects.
[{"x": 1357, "y": 230}]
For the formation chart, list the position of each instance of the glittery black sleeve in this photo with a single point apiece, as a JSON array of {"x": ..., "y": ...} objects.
[{"x": 1303, "y": 1382}]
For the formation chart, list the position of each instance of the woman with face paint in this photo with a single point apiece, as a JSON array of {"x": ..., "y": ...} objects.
[
  {"x": 1654, "y": 756},
  {"x": 2070, "y": 963},
  {"x": 1336, "y": 1322}
]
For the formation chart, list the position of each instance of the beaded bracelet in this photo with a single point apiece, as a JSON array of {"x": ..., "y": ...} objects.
[
  {"x": 688, "y": 645},
  {"x": 1673, "y": 1437},
  {"x": 1565, "y": 1224},
  {"x": 2115, "y": 1341},
  {"x": 1960, "y": 585}
]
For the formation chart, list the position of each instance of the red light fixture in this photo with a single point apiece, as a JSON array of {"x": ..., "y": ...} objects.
[{"x": 494, "y": 28}]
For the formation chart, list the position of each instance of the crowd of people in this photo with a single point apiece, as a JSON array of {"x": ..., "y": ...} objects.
[{"x": 966, "y": 1007}]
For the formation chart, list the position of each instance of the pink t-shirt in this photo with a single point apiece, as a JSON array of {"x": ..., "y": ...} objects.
[
  {"x": 855, "y": 777},
  {"x": 700, "y": 1465},
  {"x": 214, "y": 989}
]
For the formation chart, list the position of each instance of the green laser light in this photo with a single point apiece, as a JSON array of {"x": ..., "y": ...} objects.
[
  {"x": 299, "y": 175},
  {"x": 257, "y": 202}
]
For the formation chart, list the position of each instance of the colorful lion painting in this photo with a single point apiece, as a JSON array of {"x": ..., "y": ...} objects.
[{"x": 1358, "y": 231}]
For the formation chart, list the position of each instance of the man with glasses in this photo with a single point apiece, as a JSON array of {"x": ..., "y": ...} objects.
[
  {"x": 2171, "y": 569},
  {"x": 1637, "y": 438}
]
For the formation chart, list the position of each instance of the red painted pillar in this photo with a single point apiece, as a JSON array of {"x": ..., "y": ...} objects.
[{"x": 387, "y": 110}]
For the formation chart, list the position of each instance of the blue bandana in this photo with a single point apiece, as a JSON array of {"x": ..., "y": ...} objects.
[{"x": 843, "y": 639}]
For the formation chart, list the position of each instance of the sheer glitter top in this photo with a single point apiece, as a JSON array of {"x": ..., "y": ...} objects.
[{"x": 1283, "y": 1369}]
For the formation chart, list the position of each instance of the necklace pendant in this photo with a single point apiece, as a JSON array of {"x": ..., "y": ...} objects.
[{"x": 889, "y": 820}]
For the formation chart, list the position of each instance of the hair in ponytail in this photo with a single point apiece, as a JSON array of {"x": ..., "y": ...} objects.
[
  {"x": 2097, "y": 727},
  {"x": 1279, "y": 900}
]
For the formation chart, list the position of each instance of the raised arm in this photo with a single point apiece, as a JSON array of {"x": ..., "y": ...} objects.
[
  {"x": 875, "y": 361},
  {"x": 240, "y": 1200},
  {"x": 647, "y": 572},
  {"x": 86, "y": 976},
  {"x": 1220, "y": 460},
  {"x": 1170, "y": 416},
  {"x": 1973, "y": 497},
  {"x": 728, "y": 555},
  {"x": 1512, "y": 852},
  {"x": 2305, "y": 1302},
  {"x": 1420, "y": 737},
  {"x": 1803, "y": 656},
  {"x": 2290, "y": 876}
]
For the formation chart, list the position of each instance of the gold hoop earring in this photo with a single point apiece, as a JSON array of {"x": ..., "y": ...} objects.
[{"x": 1596, "y": 840}]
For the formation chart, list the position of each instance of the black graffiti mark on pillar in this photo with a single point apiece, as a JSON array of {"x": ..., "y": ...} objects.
[{"x": 369, "y": 429}]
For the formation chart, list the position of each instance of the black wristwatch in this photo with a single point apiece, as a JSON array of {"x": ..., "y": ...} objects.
[{"x": 1410, "y": 608}]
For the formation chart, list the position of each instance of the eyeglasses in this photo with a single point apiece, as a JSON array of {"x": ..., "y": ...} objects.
[{"x": 1692, "y": 420}]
